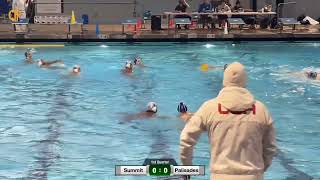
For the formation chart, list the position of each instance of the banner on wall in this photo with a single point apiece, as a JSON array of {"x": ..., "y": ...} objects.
[{"x": 48, "y": 8}]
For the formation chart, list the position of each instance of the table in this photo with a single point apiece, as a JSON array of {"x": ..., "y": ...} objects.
[
  {"x": 69, "y": 27},
  {"x": 129, "y": 22},
  {"x": 169, "y": 14},
  {"x": 20, "y": 23},
  {"x": 236, "y": 21},
  {"x": 182, "y": 21}
]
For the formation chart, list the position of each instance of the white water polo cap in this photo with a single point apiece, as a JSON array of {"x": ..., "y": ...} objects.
[
  {"x": 129, "y": 65},
  {"x": 40, "y": 62},
  {"x": 152, "y": 107},
  {"x": 76, "y": 69}
]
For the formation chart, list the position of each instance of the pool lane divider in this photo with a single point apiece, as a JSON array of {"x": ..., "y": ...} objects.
[{"x": 32, "y": 45}]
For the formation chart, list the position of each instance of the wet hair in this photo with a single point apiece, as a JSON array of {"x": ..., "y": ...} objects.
[
  {"x": 182, "y": 108},
  {"x": 26, "y": 54},
  {"x": 312, "y": 75},
  {"x": 225, "y": 66}
]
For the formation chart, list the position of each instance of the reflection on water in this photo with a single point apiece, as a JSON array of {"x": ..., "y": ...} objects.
[
  {"x": 160, "y": 147},
  {"x": 294, "y": 173},
  {"x": 49, "y": 148}
]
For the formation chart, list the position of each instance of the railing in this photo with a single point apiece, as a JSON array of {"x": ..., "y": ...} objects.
[{"x": 282, "y": 4}]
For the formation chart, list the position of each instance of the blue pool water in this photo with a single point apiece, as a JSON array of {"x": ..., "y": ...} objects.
[{"x": 53, "y": 126}]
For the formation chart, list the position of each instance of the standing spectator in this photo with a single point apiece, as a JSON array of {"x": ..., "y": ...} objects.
[
  {"x": 21, "y": 6},
  {"x": 224, "y": 7},
  {"x": 240, "y": 130}
]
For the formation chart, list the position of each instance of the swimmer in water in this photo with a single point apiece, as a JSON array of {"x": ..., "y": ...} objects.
[
  {"x": 207, "y": 67},
  {"x": 75, "y": 70},
  {"x": 312, "y": 75},
  {"x": 138, "y": 62},
  {"x": 128, "y": 69},
  {"x": 184, "y": 114},
  {"x": 48, "y": 64},
  {"x": 28, "y": 56},
  {"x": 149, "y": 113}
]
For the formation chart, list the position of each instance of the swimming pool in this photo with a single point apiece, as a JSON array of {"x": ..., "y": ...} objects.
[{"x": 54, "y": 126}]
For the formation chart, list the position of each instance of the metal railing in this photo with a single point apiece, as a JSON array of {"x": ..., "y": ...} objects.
[{"x": 282, "y": 4}]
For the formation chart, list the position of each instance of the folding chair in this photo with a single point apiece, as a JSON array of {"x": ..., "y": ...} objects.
[
  {"x": 288, "y": 22},
  {"x": 236, "y": 21}
]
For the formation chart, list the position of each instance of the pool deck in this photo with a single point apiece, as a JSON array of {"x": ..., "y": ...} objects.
[{"x": 113, "y": 33}]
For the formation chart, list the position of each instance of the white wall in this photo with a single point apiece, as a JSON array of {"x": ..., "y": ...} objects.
[
  {"x": 48, "y": 8},
  {"x": 103, "y": 13},
  {"x": 106, "y": 13},
  {"x": 307, "y": 7}
]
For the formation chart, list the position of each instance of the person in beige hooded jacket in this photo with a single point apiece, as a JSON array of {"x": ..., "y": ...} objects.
[{"x": 240, "y": 130}]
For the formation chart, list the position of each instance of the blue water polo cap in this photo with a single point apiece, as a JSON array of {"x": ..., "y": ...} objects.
[{"x": 182, "y": 108}]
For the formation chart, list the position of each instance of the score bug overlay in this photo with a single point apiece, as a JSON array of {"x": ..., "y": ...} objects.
[{"x": 160, "y": 167}]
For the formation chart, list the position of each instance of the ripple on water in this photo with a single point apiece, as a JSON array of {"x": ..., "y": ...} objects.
[{"x": 14, "y": 131}]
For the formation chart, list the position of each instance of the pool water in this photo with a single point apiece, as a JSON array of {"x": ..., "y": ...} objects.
[{"x": 56, "y": 126}]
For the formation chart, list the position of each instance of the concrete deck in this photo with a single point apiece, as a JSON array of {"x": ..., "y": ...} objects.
[{"x": 60, "y": 33}]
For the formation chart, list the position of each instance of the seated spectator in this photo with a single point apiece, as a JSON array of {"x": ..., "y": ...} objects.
[
  {"x": 182, "y": 7},
  {"x": 267, "y": 8},
  {"x": 203, "y": 8},
  {"x": 215, "y": 3},
  {"x": 238, "y": 7},
  {"x": 224, "y": 7},
  {"x": 250, "y": 20}
]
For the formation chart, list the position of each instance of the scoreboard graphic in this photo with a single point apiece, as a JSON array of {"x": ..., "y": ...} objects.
[{"x": 159, "y": 167}]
